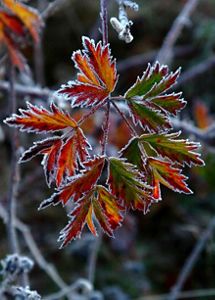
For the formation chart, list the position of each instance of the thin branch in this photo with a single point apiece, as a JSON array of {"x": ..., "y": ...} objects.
[
  {"x": 39, "y": 63},
  {"x": 106, "y": 129},
  {"x": 14, "y": 176},
  {"x": 34, "y": 249},
  {"x": 196, "y": 71},
  {"x": 90, "y": 113},
  {"x": 104, "y": 17},
  {"x": 191, "y": 261},
  {"x": 53, "y": 8},
  {"x": 22, "y": 90},
  {"x": 166, "y": 52},
  {"x": 140, "y": 60},
  {"x": 205, "y": 135},
  {"x": 94, "y": 256}
]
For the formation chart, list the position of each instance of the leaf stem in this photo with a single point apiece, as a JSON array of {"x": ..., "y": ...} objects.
[
  {"x": 123, "y": 116},
  {"x": 106, "y": 129},
  {"x": 90, "y": 113}
]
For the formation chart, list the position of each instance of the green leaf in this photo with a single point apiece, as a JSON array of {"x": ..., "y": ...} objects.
[
  {"x": 155, "y": 80},
  {"x": 171, "y": 103},
  {"x": 147, "y": 117},
  {"x": 132, "y": 153},
  {"x": 180, "y": 151},
  {"x": 127, "y": 185}
]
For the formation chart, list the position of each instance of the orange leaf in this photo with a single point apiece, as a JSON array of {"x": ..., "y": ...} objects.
[
  {"x": 78, "y": 185},
  {"x": 163, "y": 172},
  {"x": 10, "y": 26},
  {"x": 101, "y": 204},
  {"x": 73, "y": 149},
  {"x": 96, "y": 78},
  {"x": 29, "y": 16},
  {"x": 39, "y": 120},
  {"x": 202, "y": 116}
]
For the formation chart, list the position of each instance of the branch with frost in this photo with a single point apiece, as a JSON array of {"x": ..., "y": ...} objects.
[
  {"x": 122, "y": 25},
  {"x": 166, "y": 52},
  {"x": 34, "y": 249},
  {"x": 191, "y": 261},
  {"x": 52, "y": 8}
]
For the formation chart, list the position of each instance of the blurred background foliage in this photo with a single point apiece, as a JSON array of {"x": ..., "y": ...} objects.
[{"x": 148, "y": 252}]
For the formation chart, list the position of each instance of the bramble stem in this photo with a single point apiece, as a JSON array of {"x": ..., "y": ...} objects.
[
  {"x": 14, "y": 176},
  {"x": 132, "y": 129},
  {"x": 104, "y": 23},
  {"x": 106, "y": 129},
  {"x": 90, "y": 113}
]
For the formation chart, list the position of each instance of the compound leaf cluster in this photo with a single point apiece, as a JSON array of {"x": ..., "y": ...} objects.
[{"x": 154, "y": 156}]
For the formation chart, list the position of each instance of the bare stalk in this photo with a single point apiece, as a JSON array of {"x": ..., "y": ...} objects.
[
  {"x": 191, "y": 261},
  {"x": 106, "y": 129},
  {"x": 14, "y": 176},
  {"x": 165, "y": 54},
  {"x": 104, "y": 24},
  {"x": 93, "y": 257}
]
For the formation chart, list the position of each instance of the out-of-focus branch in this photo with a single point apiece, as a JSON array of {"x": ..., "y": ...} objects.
[
  {"x": 14, "y": 173},
  {"x": 142, "y": 59},
  {"x": 34, "y": 249},
  {"x": 52, "y": 8},
  {"x": 166, "y": 52},
  {"x": 93, "y": 257},
  {"x": 207, "y": 135},
  {"x": 196, "y": 71},
  {"x": 191, "y": 261},
  {"x": 22, "y": 90}
]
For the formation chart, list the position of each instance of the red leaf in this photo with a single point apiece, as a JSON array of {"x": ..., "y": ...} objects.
[
  {"x": 28, "y": 16},
  {"x": 39, "y": 120},
  {"x": 40, "y": 147},
  {"x": 110, "y": 206},
  {"x": 163, "y": 172},
  {"x": 101, "y": 204},
  {"x": 79, "y": 216},
  {"x": 73, "y": 149},
  {"x": 78, "y": 185},
  {"x": 96, "y": 78}
]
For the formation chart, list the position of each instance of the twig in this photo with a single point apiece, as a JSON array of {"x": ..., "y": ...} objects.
[
  {"x": 39, "y": 63},
  {"x": 191, "y": 261},
  {"x": 106, "y": 129},
  {"x": 207, "y": 135},
  {"x": 196, "y": 71},
  {"x": 22, "y": 90},
  {"x": 104, "y": 16},
  {"x": 53, "y": 8},
  {"x": 81, "y": 289},
  {"x": 140, "y": 60},
  {"x": 93, "y": 257},
  {"x": 166, "y": 52},
  {"x": 14, "y": 176},
  {"x": 34, "y": 249}
]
